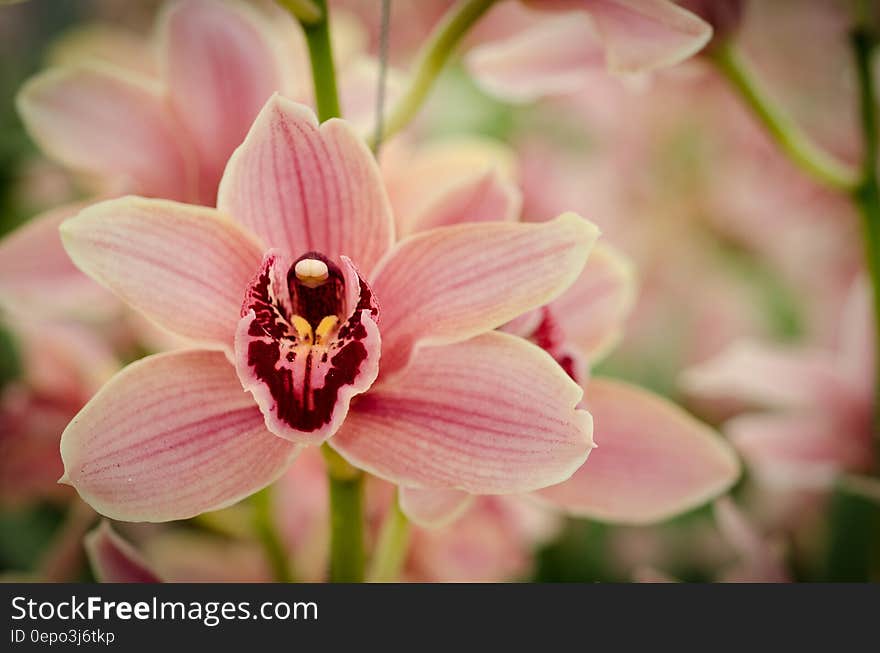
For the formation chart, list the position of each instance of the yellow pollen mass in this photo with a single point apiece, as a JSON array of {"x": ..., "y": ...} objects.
[
  {"x": 325, "y": 329},
  {"x": 311, "y": 272},
  {"x": 302, "y": 327}
]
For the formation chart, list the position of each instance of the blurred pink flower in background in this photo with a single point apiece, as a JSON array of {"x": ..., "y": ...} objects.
[
  {"x": 737, "y": 547},
  {"x": 61, "y": 366},
  {"x": 137, "y": 128},
  {"x": 823, "y": 400}
]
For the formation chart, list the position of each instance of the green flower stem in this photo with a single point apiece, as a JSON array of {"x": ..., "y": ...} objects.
[
  {"x": 317, "y": 31},
  {"x": 790, "y": 138},
  {"x": 346, "y": 519},
  {"x": 431, "y": 60},
  {"x": 866, "y": 194},
  {"x": 267, "y": 533},
  {"x": 305, "y": 11},
  {"x": 852, "y": 553},
  {"x": 391, "y": 549}
]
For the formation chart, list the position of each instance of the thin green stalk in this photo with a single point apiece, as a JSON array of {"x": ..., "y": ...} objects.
[
  {"x": 431, "y": 60},
  {"x": 852, "y": 553},
  {"x": 317, "y": 31},
  {"x": 391, "y": 548},
  {"x": 791, "y": 139},
  {"x": 264, "y": 526},
  {"x": 346, "y": 519},
  {"x": 305, "y": 11},
  {"x": 866, "y": 194}
]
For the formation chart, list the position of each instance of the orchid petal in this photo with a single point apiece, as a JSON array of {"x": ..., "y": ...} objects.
[
  {"x": 170, "y": 437},
  {"x": 221, "y": 64},
  {"x": 433, "y": 508},
  {"x": 191, "y": 556},
  {"x": 37, "y": 275},
  {"x": 491, "y": 415},
  {"x": 459, "y": 180},
  {"x": 185, "y": 267},
  {"x": 303, "y": 188},
  {"x": 106, "y": 44},
  {"x": 452, "y": 283},
  {"x": 556, "y": 56},
  {"x": 652, "y": 460},
  {"x": 114, "y": 560},
  {"x": 488, "y": 197},
  {"x": 799, "y": 449},
  {"x": 640, "y": 35},
  {"x": 766, "y": 375},
  {"x": 592, "y": 312},
  {"x": 103, "y": 122}
]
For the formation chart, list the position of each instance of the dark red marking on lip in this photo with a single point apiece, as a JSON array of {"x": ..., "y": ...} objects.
[{"x": 304, "y": 380}]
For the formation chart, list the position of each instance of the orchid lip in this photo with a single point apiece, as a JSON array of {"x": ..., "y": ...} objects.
[{"x": 307, "y": 342}]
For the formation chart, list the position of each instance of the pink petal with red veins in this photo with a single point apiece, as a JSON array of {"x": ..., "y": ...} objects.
[
  {"x": 302, "y": 384},
  {"x": 491, "y": 415},
  {"x": 185, "y": 267},
  {"x": 556, "y": 56},
  {"x": 802, "y": 449},
  {"x": 640, "y": 35},
  {"x": 221, "y": 64},
  {"x": 305, "y": 188},
  {"x": 106, "y": 123},
  {"x": 593, "y": 311},
  {"x": 652, "y": 460},
  {"x": 37, "y": 275},
  {"x": 433, "y": 508},
  {"x": 114, "y": 560},
  {"x": 768, "y": 375},
  {"x": 170, "y": 437},
  {"x": 452, "y": 283}
]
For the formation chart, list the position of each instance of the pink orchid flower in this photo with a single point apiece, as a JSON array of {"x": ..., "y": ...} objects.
[
  {"x": 138, "y": 131},
  {"x": 267, "y": 285},
  {"x": 823, "y": 398},
  {"x": 559, "y": 54}
]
